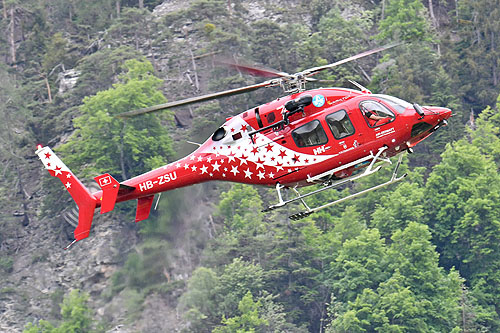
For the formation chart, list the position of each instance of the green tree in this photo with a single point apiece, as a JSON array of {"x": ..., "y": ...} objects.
[
  {"x": 398, "y": 208},
  {"x": 269, "y": 40},
  {"x": 360, "y": 264},
  {"x": 199, "y": 300},
  {"x": 210, "y": 297},
  {"x": 248, "y": 321},
  {"x": 144, "y": 267},
  {"x": 463, "y": 208},
  {"x": 132, "y": 27},
  {"x": 103, "y": 142},
  {"x": 76, "y": 316},
  {"x": 237, "y": 278},
  {"x": 486, "y": 133},
  {"x": 92, "y": 15},
  {"x": 477, "y": 66},
  {"x": 397, "y": 288},
  {"x": 464, "y": 216},
  {"x": 405, "y": 20},
  {"x": 56, "y": 54},
  {"x": 414, "y": 256},
  {"x": 241, "y": 208},
  {"x": 342, "y": 37},
  {"x": 101, "y": 68}
]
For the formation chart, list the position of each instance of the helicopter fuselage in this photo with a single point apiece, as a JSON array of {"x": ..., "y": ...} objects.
[
  {"x": 329, "y": 136},
  {"x": 317, "y": 136}
]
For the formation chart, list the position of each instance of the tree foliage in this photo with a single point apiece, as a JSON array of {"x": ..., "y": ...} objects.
[
  {"x": 421, "y": 255},
  {"x": 132, "y": 146},
  {"x": 405, "y": 20},
  {"x": 76, "y": 316}
]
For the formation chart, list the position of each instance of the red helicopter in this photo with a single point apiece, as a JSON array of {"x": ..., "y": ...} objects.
[{"x": 328, "y": 136}]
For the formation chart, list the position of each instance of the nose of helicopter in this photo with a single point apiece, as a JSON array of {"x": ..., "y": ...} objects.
[
  {"x": 427, "y": 122},
  {"x": 438, "y": 115},
  {"x": 444, "y": 113}
]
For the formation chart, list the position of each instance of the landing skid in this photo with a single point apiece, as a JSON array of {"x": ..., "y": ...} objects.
[{"x": 368, "y": 171}]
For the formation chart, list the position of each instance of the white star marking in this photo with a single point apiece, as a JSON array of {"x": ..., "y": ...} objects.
[
  {"x": 57, "y": 172},
  {"x": 234, "y": 170},
  {"x": 204, "y": 169},
  {"x": 231, "y": 158},
  {"x": 279, "y": 167},
  {"x": 193, "y": 168},
  {"x": 68, "y": 175},
  {"x": 186, "y": 166},
  {"x": 192, "y": 157},
  {"x": 200, "y": 158},
  {"x": 248, "y": 173},
  {"x": 68, "y": 185},
  {"x": 209, "y": 159},
  {"x": 216, "y": 166},
  {"x": 261, "y": 175},
  {"x": 178, "y": 165},
  {"x": 259, "y": 165},
  {"x": 271, "y": 175}
]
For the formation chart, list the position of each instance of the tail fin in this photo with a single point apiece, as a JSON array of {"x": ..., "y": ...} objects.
[{"x": 84, "y": 199}]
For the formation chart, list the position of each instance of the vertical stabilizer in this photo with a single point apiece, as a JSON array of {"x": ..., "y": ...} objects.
[{"x": 85, "y": 201}]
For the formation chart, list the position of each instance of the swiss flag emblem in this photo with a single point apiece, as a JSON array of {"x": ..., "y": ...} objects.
[{"x": 104, "y": 181}]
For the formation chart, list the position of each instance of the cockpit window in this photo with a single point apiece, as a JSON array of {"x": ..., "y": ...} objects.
[
  {"x": 396, "y": 103},
  {"x": 375, "y": 113},
  {"x": 340, "y": 124},
  {"x": 310, "y": 134}
]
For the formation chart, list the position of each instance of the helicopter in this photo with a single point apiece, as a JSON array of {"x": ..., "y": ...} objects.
[{"x": 327, "y": 136}]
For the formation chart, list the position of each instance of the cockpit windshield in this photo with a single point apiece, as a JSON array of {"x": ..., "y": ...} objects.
[{"x": 396, "y": 103}]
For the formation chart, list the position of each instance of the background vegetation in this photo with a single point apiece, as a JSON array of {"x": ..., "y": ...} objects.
[{"x": 420, "y": 256}]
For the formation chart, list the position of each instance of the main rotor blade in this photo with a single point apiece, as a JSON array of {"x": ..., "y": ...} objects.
[
  {"x": 252, "y": 69},
  {"x": 316, "y": 70},
  {"x": 197, "y": 99}
]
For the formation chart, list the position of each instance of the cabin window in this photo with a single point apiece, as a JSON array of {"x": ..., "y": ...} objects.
[
  {"x": 310, "y": 134},
  {"x": 375, "y": 113},
  {"x": 219, "y": 134},
  {"x": 340, "y": 124}
]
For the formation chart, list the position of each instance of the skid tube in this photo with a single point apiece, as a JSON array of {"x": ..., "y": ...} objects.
[{"x": 368, "y": 171}]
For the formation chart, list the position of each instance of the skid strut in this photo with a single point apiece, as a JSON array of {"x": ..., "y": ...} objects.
[{"x": 368, "y": 171}]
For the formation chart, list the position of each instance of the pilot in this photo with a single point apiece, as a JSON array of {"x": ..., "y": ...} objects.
[{"x": 373, "y": 115}]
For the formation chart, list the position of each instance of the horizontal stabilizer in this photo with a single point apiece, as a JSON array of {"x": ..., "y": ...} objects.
[{"x": 143, "y": 207}]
